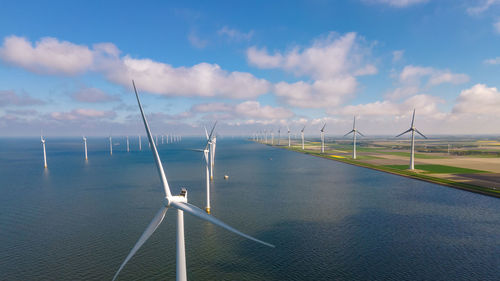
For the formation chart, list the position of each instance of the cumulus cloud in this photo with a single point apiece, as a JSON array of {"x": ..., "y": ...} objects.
[
  {"x": 483, "y": 6},
  {"x": 79, "y": 114},
  {"x": 93, "y": 95},
  {"x": 413, "y": 74},
  {"x": 318, "y": 94},
  {"x": 479, "y": 100},
  {"x": 51, "y": 56},
  {"x": 399, "y": 3},
  {"x": 48, "y": 55},
  {"x": 11, "y": 98},
  {"x": 234, "y": 34},
  {"x": 246, "y": 109},
  {"x": 493, "y": 61}
]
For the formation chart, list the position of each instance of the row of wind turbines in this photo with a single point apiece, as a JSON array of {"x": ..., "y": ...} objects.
[{"x": 262, "y": 136}]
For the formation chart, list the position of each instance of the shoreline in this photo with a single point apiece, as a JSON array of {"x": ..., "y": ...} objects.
[{"x": 403, "y": 173}]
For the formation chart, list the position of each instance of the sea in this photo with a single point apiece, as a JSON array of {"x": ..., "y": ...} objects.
[{"x": 78, "y": 219}]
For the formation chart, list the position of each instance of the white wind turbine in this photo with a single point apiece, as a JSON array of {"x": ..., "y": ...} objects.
[
  {"x": 180, "y": 203},
  {"x": 42, "y": 139},
  {"x": 110, "y": 146},
  {"x": 85, "y": 145},
  {"x": 140, "y": 144},
  {"x": 302, "y": 135},
  {"x": 323, "y": 139},
  {"x": 412, "y": 130},
  {"x": 272, "y": 137},
  {"x": 206, "y": 155},
  {"x": 354, "y": 131},
  {"x": 212, "y": 155},
  {"x": 288, "y": 128},
  {"x": 279, "y": 135},
  {"x": 128, "y": 145}
]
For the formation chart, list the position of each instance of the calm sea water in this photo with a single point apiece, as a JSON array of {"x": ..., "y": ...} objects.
[{"x": 329, "y": 221}]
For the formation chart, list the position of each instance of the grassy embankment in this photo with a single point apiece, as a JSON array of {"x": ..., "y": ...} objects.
[{"x": 402, "y": 171}]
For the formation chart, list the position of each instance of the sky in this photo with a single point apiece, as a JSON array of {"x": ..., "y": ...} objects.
[{"x": 66, "y": 67}]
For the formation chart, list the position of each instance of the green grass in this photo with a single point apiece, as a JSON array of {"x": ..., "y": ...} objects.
[
  {"x": 438, "y": 169},
  {"x": 407, "y": 154}
]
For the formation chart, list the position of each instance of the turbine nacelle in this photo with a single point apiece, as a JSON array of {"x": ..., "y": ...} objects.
[{"x": 181, "y": 198}]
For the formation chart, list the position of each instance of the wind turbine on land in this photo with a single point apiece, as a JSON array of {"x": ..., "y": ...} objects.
[
  {"x": 323, "y": 139},
  {"x": 42, "y": 139},
  {"x": 302, "y": 135},
  {"x": 288, "y": 128},
  {"x": 85, "y": 145},
  {"x": 412, "y": 130},
  {"x": 180, "y": 203},
  {"x": 354, "y": 131}
]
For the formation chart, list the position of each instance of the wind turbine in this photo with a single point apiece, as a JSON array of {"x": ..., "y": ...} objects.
[
  {"x": 140, "y": 144},
  {"x": 272, "y": 137},
  {"x": 110, "y": 146},
  {"x": 128, "y": 146},
  {"x": 288, "y": 128},
  {"x": 212, "y": 156},
  {"x": 412, "y": 130},
  {"x": 279, "y": 135},
  {"x": 42, "y": 139},
  {"x": 179, "y": 202},
  {"x": 302, "y": 135},
  {"x": 354, "y": 131},
  {"x": 85, "y": 145},
  {"x": 323, "y": 139}
]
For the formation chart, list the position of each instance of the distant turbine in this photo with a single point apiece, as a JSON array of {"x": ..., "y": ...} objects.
[
  {"x": 302, "y": 135},
  {"x": 265, "y": 133},
  {"x": 162, "y": 139},
  {"x": 128, "y": 146},
  {"x": 354, "y": 131},
  {"x": 323, "y": 139},
  {"x": 180, "y": 203},
  {"x": 279, "y": 136},
  {"x": 412, "y": 130},
  {"x": 42, "y": 139},
  {"x": 110, "y": 146},
  {"x": 288, "y": 128},
  {"x": 207, "y": 155},
  {"x": 140, "y": 144},
  {"x": 272, "y": 137},
  {"x": 85, "y": 145}
]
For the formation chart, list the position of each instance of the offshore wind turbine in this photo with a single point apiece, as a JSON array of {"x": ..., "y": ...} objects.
[
  {"x": 412, "y": 130},
  {"x": 323, "y": 139},
  {"x": 272, "y": 137},
  {"x": 179, "y": 202},
  {"x": 140, "y": 144},
  {"x": 354, "y": 131},
  {"x": 302, "y": 135},
  {"x": 110, "y": 145},
  {"x": 279, "y": 135},
  {"x": 85, "y": 146},
  {"x": 128, "y": 145},
  {"x": 42, "y": 140}
]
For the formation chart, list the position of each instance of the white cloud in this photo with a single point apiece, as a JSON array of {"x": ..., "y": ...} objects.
[
  {"x": 483, "y": 6},
  {"x": 93, "y": 95},
  {"x": 80, "y": 114},
  {"x": 399, "y": 3},
  {"x": 327, "y": 57},
  {"x": 414, "y": 74},
  {"x": 478, "y": 100},
  {"x": 247, "y": 109},
  {"x": 397, "y": 55},
  {"x": 234, "y": 34},
  {"x": 318, "y": 94},
  {"x": 493, "y": 61},
  {"x": 9, "y": 98},
  {"x": 49, "y": 55},
  {"x": 496, "y": 25}
]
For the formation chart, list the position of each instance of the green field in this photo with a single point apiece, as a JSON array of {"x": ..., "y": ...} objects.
[{"x": 437, "y": 169}]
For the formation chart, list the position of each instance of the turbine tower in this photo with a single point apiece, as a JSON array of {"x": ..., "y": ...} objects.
[
  {"x": 272, "y": 137},
  {"x": 412, "y": 130},
  {"x": 302, "y": 135},
  {"x": 85, "y": 145},
  {"x": 323, "y": 139},
  {"x": 110, "y": 145},
  {"x": 288, "y": 128},
  {"x": 140, "y": 144},
  {"x": 279, "y": 136},
  {"x": 179, "y": 202},
  {"x": 42, "y": 139},
  {"x": 354, "y": 131},
  {"x": 128, "y": 146}
]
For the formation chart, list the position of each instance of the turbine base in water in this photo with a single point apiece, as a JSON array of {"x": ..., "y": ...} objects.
[{"x": 207, "y": 209}]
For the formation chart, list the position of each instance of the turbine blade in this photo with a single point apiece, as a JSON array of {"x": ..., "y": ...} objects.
[
  {"x": 153, "y": 225},
  {"x": 360, "y": 133},
  {"x": 354, "y": 123},
  {"x": 206, "y": 133},
  {"x": 413, "y": 118},
  {"x": 349, "y": 133},
  {"x": 420, "y": 133},
  {"x": 197, "y": 212},
  {"x": 404, "y": 132},
  {"x": 159, "y": 166},
  {"x": 322, "y": 129}
]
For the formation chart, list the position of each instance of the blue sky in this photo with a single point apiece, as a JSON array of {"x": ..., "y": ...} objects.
[{"x": 66, "y": 66}]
